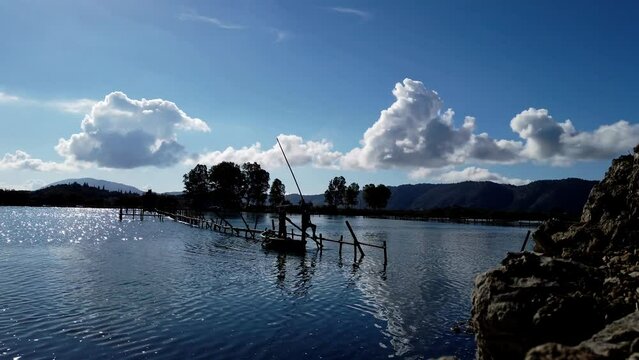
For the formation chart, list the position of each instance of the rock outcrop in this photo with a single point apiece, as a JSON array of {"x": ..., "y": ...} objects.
[
  {"x": 580, "y": 278},
  {"x": 619, "y": 340}
]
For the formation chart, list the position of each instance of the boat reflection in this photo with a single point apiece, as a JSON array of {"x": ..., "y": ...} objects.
[{"x": 294, "y": 272}]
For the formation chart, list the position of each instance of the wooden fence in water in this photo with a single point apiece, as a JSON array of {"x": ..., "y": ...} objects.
[{"x": 221, "y": 225}]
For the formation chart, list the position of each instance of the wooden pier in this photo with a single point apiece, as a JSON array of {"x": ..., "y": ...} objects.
[
  {"x": 221, "y": 225},
  {"x": 139, "y": 213}
]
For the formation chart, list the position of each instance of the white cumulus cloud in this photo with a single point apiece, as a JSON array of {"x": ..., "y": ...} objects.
[
  {"x": 471, "y": 173},
  {"x": 125, "y": 133},
  {"x": 21, "y": 160},
  {"x": 560, "y": 143},
  {"x": 478, "y": 174},
  {"x": 298, "y": 151},
  {"x": 415, "y": 132}
]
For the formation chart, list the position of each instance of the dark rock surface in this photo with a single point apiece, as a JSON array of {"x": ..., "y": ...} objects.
[
  {"x": 585, "y": 276},
  {"x": 619, "y": 340}
]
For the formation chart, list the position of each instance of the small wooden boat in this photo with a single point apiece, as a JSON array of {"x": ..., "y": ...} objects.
[{"x": 271, "y": 241}]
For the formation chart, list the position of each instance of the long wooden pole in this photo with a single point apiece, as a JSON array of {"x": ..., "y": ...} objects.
[{"x": 291, "y": 169}]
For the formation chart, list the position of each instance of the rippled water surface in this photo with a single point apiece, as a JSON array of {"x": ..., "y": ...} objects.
[{"x": 78, "y": 284}]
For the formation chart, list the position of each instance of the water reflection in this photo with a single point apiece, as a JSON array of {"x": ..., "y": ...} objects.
[{"x": 300, "y": 274}]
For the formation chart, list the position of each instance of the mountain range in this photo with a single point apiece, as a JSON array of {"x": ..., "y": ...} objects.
[
  {"x": 107, "y": 185},
  {"x": 557, "y": 196}
]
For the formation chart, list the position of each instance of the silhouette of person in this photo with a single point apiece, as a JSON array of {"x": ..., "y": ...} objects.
[{"x": 306, "y": 222}]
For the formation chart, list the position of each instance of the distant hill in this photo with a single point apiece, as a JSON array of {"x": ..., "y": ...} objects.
[
  {"x": 558, "y": 196},
  {"x": 107, "y": 185}
]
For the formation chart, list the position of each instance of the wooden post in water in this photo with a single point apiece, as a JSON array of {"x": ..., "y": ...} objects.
[
  {"x": 120, "y": 213},
  {"x": 385, "y": 258},
  {"x": 142, "y": 215},
  {"x": 273, "y": 224},
  {"x": 321, "y": 245},
  {"x": 523, "y": 246},
  {"x": 341, "y": 239},
  {"x": 246, "y": 233},
  {"x": 356, "y": 244}
]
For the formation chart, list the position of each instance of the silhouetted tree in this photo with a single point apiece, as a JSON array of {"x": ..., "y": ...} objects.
[
  {"x": 149, "y": 200},
  {"x": 227, "y": 184},
  {"x": 196, "y": 186},
  {"x": 256, "y": 183},
  {"x": 376, "y": 197},
  {"x": 352, "y": 191},
  {"x": 334, "y": 195},
  {"x": 277, "y": 195}
]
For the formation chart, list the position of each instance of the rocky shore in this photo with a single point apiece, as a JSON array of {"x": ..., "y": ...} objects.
[{"x": 577, "y": 295}]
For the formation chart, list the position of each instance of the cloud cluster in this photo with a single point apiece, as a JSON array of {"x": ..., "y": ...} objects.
[
  {"x": 20, "y": 160},
  {"x": 560, "y": 143},
  {"x": 125, "y": 133},
  {"x": 298, "y": 152},
  {"x": 416, "y": 132},
  {"x": 471, "y": 173}
]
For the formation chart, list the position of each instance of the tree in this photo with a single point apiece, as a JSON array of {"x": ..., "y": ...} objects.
[
  {"x": 149, "y": 200},
  {"x": 196, "y": 186},
  {"x": 334, "y": 195},
  {"x": 277, "y": 195},
  {"x": 351, "y": 194},
  {"x": 227, "y": 184},
  {"x": 256, "y": 183},
  {"x": 376, "y": 197}
]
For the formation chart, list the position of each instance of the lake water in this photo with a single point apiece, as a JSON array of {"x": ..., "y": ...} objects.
[{"x": 78, "y": 284}]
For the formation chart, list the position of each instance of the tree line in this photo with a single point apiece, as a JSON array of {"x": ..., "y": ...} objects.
[
  {"x": 338, "y": 194},
  {"x": 232, "y": 186},
  {"x": 87, "y": 196}
]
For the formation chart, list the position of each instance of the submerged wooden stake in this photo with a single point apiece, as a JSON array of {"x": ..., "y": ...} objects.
[
  {"x": 356, "y": 244},
  {"x": 523, "y": 246},
  {"x": 385, "y": 258}
]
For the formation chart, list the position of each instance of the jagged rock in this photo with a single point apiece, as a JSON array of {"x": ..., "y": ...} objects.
[
  {"x": 586, "y": 277},
  {"x": 619, "y": 340},
  {"x": 610, "y": 219},
  {"x": 531, "y": 300}
]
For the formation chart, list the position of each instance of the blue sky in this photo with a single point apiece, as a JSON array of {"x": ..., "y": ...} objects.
[{"x": 349, "y": 85}]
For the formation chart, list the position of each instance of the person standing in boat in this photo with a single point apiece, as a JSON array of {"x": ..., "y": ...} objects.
[
  {"x": 306, "y": 221},
  {"x": 281, "y": 231}
]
